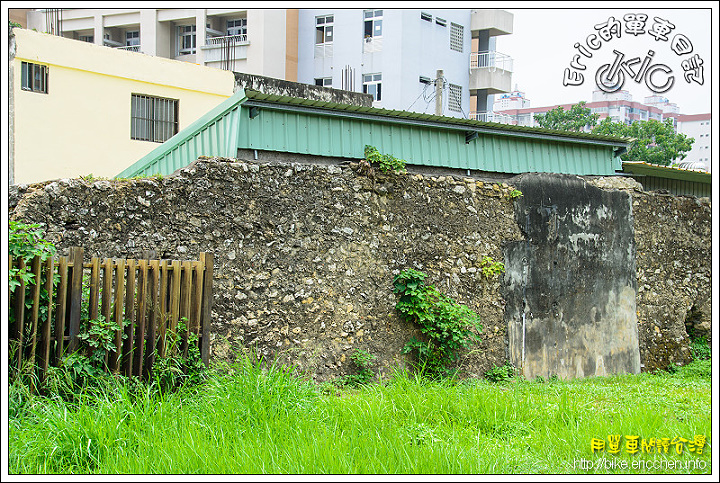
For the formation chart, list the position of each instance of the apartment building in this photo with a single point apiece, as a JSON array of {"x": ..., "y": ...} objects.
[
  {"x": 253, "y": 41},
  {"x": 435, "y": 61},
  {"x": 424, "y": 60},
  {"x": 618, "y": 106},
  {"x": 696, "y": 126}
]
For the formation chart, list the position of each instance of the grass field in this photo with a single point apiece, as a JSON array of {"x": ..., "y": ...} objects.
[{"x": 250, "y": 420}]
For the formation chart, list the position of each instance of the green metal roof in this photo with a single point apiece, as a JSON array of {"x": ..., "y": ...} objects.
[
  {"x": 253, "y": 120},
  {"x": 668, "y": 172}
]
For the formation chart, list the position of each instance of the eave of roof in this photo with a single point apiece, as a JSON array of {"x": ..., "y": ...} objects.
[{"x": 667, "y": 172}]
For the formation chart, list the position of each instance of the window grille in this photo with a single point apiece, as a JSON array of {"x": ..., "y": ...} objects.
[
  {"x": 34, "y": 77},
  {"x": 153, "y": 118},
  {"x": 457, "y": 33},
  {"x": 455, "y": 98}
]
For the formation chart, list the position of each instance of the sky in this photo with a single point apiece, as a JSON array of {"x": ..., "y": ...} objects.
[{"x": 542, "y": 47}]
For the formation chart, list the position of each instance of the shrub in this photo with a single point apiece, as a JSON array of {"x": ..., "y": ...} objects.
[{"x": 447, "y": 325}]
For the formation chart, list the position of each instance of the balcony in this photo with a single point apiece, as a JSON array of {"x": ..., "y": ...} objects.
[
  {"x": 496, "y": 22},
  {"x": 491, "y": 71},
  {"x": 129, "y": 48},
  {"x": 225, "y": 48}
]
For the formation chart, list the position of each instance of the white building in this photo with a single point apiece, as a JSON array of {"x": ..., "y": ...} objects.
[
  {"x": 696, "y": 126},
  {"x": 397, "y": 55}
]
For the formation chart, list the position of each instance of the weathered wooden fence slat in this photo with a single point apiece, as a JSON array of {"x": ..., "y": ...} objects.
[
  {"x": 150, "y": 297},
  {"x": 46, "y": 334},
  {"x": 62, "y": 291}
]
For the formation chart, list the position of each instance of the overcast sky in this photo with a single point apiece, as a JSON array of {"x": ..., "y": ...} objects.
[{"x": 542, "y": 47}]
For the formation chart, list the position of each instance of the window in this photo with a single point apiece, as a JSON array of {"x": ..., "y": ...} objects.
[
  {"x": 425, "y": 80},
  {"x": 34, "y": 77},
  {"x": 237, "y": 27},
  {"x": 87, "y": 38},
  {"x": 373, "y": 23},
  {"x": 441, "y": 21},
  {"x": 456, "y": 37},
  {"x": 186, "y": 39},
  {"x": 372, "y": 84},
  {"x": 153, "y": 118},
  {"x": 323, "y": 29},
  {"x": 426, "y": 16},
  {"x": 323, "y": 81},
  {"x": 132, "y": 38},
  {"x": 455, "y": 98}
]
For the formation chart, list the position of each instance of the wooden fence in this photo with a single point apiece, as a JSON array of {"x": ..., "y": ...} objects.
[{"x": 154, "y": 295}]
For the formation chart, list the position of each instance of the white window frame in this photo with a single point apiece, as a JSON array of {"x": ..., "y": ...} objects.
[
  {"x": 324, "y": 24},
  {"x": 372, "y": 84},
  {"x": 183, "y": 32},
  {"x": 323, "y": 81},
  {"x": 235, "y": 28},
  {"x": 132, "y": 37},
  {"x": 374, "y": 19}
]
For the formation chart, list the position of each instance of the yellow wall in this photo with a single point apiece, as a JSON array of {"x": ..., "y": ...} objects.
[{"x": 82, "y": 125}]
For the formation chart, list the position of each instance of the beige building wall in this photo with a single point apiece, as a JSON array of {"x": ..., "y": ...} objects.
[{"x": 82, "y": 125}]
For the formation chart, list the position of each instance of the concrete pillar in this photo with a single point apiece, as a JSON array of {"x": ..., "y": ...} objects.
[
  {"x": 201, "y": 35},
  {"x": 148, "y": 31},
  {"x": 99, "y": 31}
]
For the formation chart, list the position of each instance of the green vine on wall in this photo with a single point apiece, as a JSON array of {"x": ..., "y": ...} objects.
[{"x": 447, "y": 325}]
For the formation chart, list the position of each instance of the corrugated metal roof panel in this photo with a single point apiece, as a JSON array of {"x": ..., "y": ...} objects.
[{"x": 294, "y": 125}]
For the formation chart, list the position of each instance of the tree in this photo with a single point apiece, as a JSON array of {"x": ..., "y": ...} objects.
[
  {"x": 575, "y": 119},
  {"x": 653, "y": 142}
]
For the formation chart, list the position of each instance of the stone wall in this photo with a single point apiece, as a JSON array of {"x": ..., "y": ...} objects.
[
  {"x": 305, "y": 253},
  {"x": 674, "y": 258},
  {"x": 280, "y": 87}
]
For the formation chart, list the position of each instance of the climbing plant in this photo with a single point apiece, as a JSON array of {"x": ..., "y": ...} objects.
[{"x": 447, "y": 325}]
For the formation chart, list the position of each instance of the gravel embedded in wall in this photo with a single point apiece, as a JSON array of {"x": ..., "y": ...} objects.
[
  {"x": 673, "y": 239},
  {"x": 304, "y": 254}
]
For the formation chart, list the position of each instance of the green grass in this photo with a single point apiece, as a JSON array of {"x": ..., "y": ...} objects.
[{"x": 247, "y": 419}]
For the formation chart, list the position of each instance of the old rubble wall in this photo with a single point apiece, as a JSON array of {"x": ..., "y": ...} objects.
[{"x": 304, "y": 254}]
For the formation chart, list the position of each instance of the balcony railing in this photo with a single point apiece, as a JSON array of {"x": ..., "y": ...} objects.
[
  {"x": 490, "y": 116},
  {"x": 492, "y": 60},
  {"x": 130, "y": 48},
  {"x": 235, "y": 39}
]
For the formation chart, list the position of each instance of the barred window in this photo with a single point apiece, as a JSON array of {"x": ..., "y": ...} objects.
[
  {"x": 34, "y": 77},
  {"x": 457, "y": 32},
  {"x": 153, "y": 118},
  {"x": 455, "y": 98}
]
